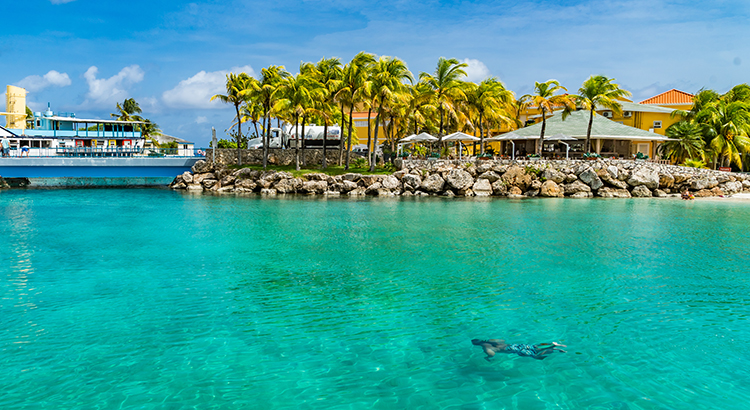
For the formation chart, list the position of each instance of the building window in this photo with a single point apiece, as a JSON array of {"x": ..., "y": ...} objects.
[{"x": 657, "y": 124}]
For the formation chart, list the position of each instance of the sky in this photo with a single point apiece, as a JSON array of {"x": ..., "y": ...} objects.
[{"x": 84, "y": 56}]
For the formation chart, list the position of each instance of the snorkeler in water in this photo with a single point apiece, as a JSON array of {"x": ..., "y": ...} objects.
[{"x": 538, "y": 352}]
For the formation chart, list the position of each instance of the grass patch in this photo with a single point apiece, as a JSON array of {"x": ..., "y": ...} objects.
[{"x": 332, "y": 170}]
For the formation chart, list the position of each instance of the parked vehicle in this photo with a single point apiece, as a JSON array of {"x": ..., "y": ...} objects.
[{"x": 286, "y": 137}]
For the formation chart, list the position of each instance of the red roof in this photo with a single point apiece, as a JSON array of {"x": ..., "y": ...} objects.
[{"x": 672, "y": 96}]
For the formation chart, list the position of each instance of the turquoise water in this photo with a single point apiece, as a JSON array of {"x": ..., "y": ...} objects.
[{"x": 153, "y": 299}]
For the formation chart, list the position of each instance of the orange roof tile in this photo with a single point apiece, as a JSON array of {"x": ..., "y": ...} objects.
[{"x": 672, "y": 96}]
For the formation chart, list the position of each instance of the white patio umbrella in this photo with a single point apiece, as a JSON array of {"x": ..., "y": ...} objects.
[{"x": 459, "y": 136}]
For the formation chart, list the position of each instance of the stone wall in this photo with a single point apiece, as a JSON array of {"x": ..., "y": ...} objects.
[
  {"x": 515, "y": 179},
  {"x": 275, "y": 156}
]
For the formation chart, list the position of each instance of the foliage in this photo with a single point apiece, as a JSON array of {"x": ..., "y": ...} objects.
[
  {"x": 694, "y": 163},
  {"x": 127, "y": 110},
  {"x": 587, "y": 155},
  {"x": 359, "y": 162},
  {"x": 599, "y": 92},
  {"x": 686, "y": 142},
  {"x": 546, "y": 99}
]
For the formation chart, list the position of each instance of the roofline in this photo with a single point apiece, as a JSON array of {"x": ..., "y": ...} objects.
[{"x": 93, "y": 121}]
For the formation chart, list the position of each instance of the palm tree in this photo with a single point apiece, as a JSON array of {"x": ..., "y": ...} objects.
[
  {"x": 388, "y": 76},
  {"x": 489, "y": 100},
  {"x": 447, "y": 86},
  {"x": 252, "y": 111},
  {"x": 686, "y": 142},
  {"x": 264, "y": 93},
  {"x": 296, "y": 95},
  {"x": 544, "y": 97},
  {"x": 127, "y": 110},
  {"x": 355, "y": 82},
  {"x": 727, "y": 126},
  {"x": 329, "y": 74},
  {"x": 596, "y": 92},
  {"x": 238, "y": 86}
]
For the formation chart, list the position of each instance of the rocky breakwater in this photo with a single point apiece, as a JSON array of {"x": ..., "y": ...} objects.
[{"x": 515, "y": 179}]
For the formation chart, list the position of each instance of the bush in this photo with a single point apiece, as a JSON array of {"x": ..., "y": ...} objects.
[{"x": 359, "y": 163}]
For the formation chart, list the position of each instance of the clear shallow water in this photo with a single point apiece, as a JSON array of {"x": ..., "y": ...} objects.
[{"x": 152, "y": 299}]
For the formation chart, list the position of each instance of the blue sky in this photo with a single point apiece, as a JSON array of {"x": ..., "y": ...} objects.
[{"x": 85, "y": 55}]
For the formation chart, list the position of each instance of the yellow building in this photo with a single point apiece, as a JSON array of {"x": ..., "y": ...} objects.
[{"x": 15, "y": 105}]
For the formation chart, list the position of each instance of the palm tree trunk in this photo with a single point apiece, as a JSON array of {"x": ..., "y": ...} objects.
[
  {"x": 296, "y": 146},
  {"x": 588, "y": 131},
  {"x": 481, "y": 133},
  {"x": 239, "y": 135},
  {"x": 341, "y": 137},
  {"x": 302, "y": 143},
  {"x": 375, "y": 142},
  {"x": 325, "y": 139},
  {"x": 541, "y": 136},
  {"x": 255, "y": 124},
  {"x": 266, "y": 135},
  {"x": 349, "y": 138},
  {"x": 369, "y": 135}
]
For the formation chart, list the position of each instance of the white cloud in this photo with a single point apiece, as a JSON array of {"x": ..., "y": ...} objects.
[
  {"x": 476, "y": 71},
  {"x": 201, "y": 120},
  {"x": 52, "y": 78},
  {"x": 196, "y": 91},
  {"x": 107, "y": 90}
]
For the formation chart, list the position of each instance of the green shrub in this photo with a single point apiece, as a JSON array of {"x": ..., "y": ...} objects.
[{"x": 359, "y": 163}]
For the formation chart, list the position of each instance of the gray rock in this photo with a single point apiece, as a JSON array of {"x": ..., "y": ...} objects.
[
  {"x": 570, "y": 178},
  {"x": 576, "y": 187},
  {"x": 433, "y": 183},
  {"x": 201, "y": 167},
  {"x": 590, "y": 178},
  {"x": 179, "y": 185},
  {"x": 352, "y": 177},
  {"x": 228, "y": 180},
  {"x": 613, "y": 171},
  {"x": 666, "y": 180},
  {"x": 187, "y": 177},
  {"x": 552, "y": 174},
  {"x": 412, "y": 181},
  {"x": 500, "y": 188},
  {"x": 491, "y": 176},
  {"x": 731, "y": 187},
  {"x": 582, "y": 194},
  {"x": 371, "y": 179},
  {"x": 459, "y": 179},
  {"x": 517, "y": 176},
  {"x": 268, "y": 191},
  {"x": 316, "y": 176},
  {"x": 314, "y": 187},
  {"x": 607, "y": 192},
  {"x": 391, "y": 182},
  {"x": 641, "y": 191},
  {"x": 359, "y": 191},
  {"x": 536, "y": 184},
  {"x": 245, "y": 185},
  {"x": 198, "y": 178},
  {"x": 644, "y": 175},
  {"x": 660, "y": 194},
  {"x": 373, "y": 189},
  {"x": 209, "y": 183},
  {"x": 704, "y": 183},
  {"x": 195, "y": 187},
  {"x": 482, "y": 187}
]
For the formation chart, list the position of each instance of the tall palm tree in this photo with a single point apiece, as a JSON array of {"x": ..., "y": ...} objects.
[
  {"x": 252, "y": 111},
  {"x": 447, "y": 86},
  {"x": 727, "y": 127},
  {"x": 686, "y": 142},
  {"x": 264, "y": 93},
  {"x": 596, "y": 92},
  {"x": 388, "y": 76},
  {"x": 238, "y": 87},
  {"x": 355, "y": 82},
  {"x": 489, "y": 100},
  {"x": 329, "y": 74},
  {"x": 420, "y": 105},
  {"x": 297, "y": 95},
  {"x": 545, "y": 98}
]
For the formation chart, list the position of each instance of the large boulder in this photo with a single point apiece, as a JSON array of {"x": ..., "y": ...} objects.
[
  {"x": 411, "y": 181},
  {"x": 641, "y": 191},
  {"x": 201, "y": 167},
  {"x": 187, "y": 177},
  {"x": 459, "y": 179},
  {"x": 517, "y": 176},
  {"x": 590, "y": 178},
  {"x": 491, "y": 176},
  {"x": 607, "y": 192},
  {"x": 576, "y": 187},
  {"x": 391, "y": 182},
  {"x": 704, "y": 183},
  {"x": 314, "y": 187},
  {"x": 482, "y": 187},
  {"x": 644, "y": 176},
  {"x": 499, "y": 188},
  {"x": 666, "y": 180},
  {"x": 352, "y": 177},
  {"x": 731, "y": 187},
  {"x": 199, "y": 178},
  {"x": 433, "y": 183},
  {"x": 245, "y": 185},
  {"x": 551, "y": 189},
  {"x": 552, "y": 174}
]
